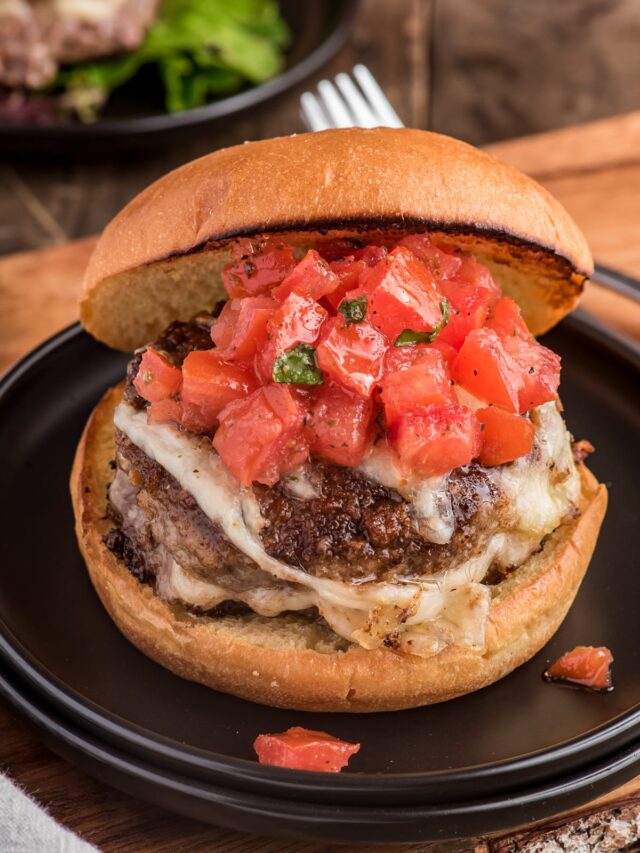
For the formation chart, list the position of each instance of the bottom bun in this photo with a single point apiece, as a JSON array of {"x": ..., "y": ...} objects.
[{"x": 291, "y": 661}]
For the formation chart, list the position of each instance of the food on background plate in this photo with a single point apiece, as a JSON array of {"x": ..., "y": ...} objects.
[
  {"x": 348, "y": 485},
  {"x": 60, "y": 58},
  {"x": 304, "y": 749},
  {"x": 584, "y": 666}
]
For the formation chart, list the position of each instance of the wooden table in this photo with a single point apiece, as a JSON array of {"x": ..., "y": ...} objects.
[{"x": 595, "y": 171}]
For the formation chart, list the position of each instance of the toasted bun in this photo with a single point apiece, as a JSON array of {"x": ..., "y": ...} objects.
[
  {"x": 290, "y": 662},
  {"x": 160, "y": 258}
]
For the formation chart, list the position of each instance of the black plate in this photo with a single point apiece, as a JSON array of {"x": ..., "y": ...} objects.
[
  {"x": 312, "y": 821},
  {"x": 513, "y": 741},
  {"x": 135, "y": 116}
]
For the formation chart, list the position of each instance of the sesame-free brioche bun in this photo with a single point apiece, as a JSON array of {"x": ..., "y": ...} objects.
[
  {"x": 160, "y": 258},
  {"x": 293, "y": 662}
]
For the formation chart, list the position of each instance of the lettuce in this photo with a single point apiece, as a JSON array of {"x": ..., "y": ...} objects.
[{"x": 201, "y": 49}]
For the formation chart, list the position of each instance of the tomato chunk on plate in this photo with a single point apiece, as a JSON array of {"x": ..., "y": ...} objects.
[
  {"x": 352, "y": 354},
  {"x": 404, "y": 295},
  {"x": 425, "y": 381},
  {"x": 505, "y": 436},
  {"x": 485, "y": 369},
  {"x": 350, "y": 269},
  {"x": 584, "y": 666},
  {"x": 339, "y": 424},
  {"x": 157, "y": 378},
  {"x": 304, "y": 749},
  {"x": 208, "y": 385},
  {"x": 241, "y": 328},
  {"x": 261, "y": 437},
  {"x": 312, "y": 277},
  {"x": 264, "y": 265},
  {"x": 432, "y": 440}
]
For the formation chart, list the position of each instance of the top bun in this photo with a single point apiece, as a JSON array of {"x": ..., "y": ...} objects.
[{"x": 160, "y": 259}]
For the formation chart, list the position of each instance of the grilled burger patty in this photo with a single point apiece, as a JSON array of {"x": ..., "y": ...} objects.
[{"x": 39, "y": 35}]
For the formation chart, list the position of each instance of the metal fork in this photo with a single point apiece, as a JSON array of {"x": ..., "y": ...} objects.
[{"x": 356, "y": 101}]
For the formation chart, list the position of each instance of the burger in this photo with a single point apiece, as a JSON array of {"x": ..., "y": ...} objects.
[{"x": 336, "y": 476}]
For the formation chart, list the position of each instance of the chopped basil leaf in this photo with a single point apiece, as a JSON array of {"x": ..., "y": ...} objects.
[
  {"x": 353, "y": 310},
  {"x": 298, "y": 366},
  {"x": 409, "y": 338}
]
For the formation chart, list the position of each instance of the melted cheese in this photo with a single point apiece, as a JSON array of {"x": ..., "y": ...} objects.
[{"x": 425, "y": 616}]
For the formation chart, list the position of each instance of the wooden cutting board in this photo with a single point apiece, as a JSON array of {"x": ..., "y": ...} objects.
[{"x": 595, "y": 171}]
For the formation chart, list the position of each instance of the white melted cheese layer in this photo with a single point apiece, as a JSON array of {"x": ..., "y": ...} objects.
[{"x": 446, "y": 608}]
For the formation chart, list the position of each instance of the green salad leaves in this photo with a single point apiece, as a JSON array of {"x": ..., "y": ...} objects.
[{"x": 201, "y": 49}]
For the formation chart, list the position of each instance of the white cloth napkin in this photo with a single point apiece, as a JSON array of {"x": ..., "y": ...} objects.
[{"x": 25, "y": 827}]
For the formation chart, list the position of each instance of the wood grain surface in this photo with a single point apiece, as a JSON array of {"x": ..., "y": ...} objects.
[{"x": 593, "y": 169}]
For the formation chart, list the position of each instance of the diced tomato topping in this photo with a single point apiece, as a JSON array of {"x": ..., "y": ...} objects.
[
  {"x": 505, "y": 436},
  {"x": 157, "y": 378},
  {"x": 208, "y": 385},
  {"x": 241, "y": 328},
  {"x": 403, "y": 295},
  {"x": 303, "y": 749},
  {"x": 339, "y": 424},
  {"x": 425, "y": 381},
  {"x": 350, "y": 269},
  {"x": 432, "y": 440},
  {"x": 312, "y": 277},
  {"x": 352, "y": 354},
  {"x": 337, "y": 248},
  {"x": 539, "y": 371},
  {"x": 485, "y": 369},
  {"x": 261, "y": 437},
  {"x": 505, "y": 318},
  {"x": 470, "y": 293},
  {"x": 587, "y": 666},
  {"x": 297, "y": 321},
  {"x": 443, "y": 264},
  {"x": 168, "y": 411},
  {"x": 264, "y": 265}
]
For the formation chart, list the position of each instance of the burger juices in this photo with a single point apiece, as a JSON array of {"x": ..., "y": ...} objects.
[{"x": 359, "y": 455}]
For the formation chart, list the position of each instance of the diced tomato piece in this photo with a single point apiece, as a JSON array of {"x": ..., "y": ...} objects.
[
  {"x": 432, "y": 440},
  {"x": 261, "y": 437},
  {"x": 587, "y": 666},
  {"x": 339, "y": 424},
  {"x": 505, "y": 318},
  {"x": 448, "y": 353},
  {"x": 505, "y": 436},
  {"x": 264, "y": 266},
  {"x": 399, "y": 358},
  {"x": 168, "y": 411},
  {"x": 426, "y": 381},
  {"x": 350, "y": 269},
  {"x": 299, "y": 320},
  {"x": 539, "y": 370},
  {"x": 470, "y": 293},
  {"x": 485, "y": 369},
  {"x": 403, "y": 295},
  {"x": 208, "y": 385},
  {"x": 337, "y": 248},
  {"x": 352, "y": 355},
  {"x": 241, "y": 328},
  {"x": 303, "y": 749},
  {"x": 312, "y": 277},
  {"x": 157, "y": 378},
  {"x": 443, "y": 264}
]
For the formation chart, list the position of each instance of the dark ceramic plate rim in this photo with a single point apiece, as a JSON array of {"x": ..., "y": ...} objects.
[
  {"x": 197, "y": 759},
  {"x": 594, "y": 775},
  {"x": 213, "y": 110}
]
